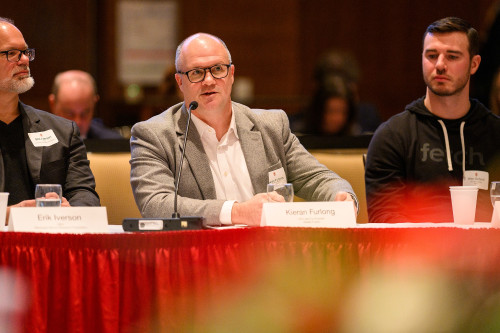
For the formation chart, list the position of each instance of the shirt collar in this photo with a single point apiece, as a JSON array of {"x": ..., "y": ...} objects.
[{"x": 204, "y": 128}]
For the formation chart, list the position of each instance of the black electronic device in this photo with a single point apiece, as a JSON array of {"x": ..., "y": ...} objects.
[{"x": 165, "y": 224}]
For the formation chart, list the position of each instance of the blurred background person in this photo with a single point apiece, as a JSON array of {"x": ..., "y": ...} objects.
[
  {"x": 484, "y": 81},
  {"x": 336, "y": 107},
  {"x": 167, "y": 93},
  {"x": 340, "y": 63},
  {"x": 74, "y": 96},
  {"x": 495, "y": 93},
  {"x": 332, "y": 112}
]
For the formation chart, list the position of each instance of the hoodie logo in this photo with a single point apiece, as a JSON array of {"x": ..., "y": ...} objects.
[{"x": 439, "y": 155}]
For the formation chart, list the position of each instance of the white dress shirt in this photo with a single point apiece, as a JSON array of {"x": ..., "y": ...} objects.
[{"x": 227, "y": 163}]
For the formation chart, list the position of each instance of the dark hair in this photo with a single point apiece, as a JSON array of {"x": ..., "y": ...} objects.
[
  {"x": 338, "y": 88},
  {"x": 454, "y": 24}
]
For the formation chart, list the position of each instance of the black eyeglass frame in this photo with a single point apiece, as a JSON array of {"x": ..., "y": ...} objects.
[
  {"x": 21, "y": 52},
  {"x": 205, "y": 72}
]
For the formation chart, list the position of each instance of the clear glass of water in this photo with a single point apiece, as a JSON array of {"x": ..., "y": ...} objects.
[
  {"x": 285, "y": 190},
  {"x": 495, "y": 192},
  {"x": 48, "y": 195}
]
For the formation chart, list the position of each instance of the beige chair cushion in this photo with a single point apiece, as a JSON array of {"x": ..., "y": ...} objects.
[
  {"x": 349, "y": 165},
  {"x": 112, "y": 176}
]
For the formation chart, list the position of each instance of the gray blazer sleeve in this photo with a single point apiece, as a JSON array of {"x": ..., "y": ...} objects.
[{"x": 311, "y": 180}]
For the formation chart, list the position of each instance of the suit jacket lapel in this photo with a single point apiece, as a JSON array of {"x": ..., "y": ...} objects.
[
  {"x": 253, "y": 150},
  {"x": 31, "y": 123},
  {"x": 195, "y": 156}
]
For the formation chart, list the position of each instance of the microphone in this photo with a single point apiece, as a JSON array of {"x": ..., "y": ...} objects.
[
  {"x": 192, "y": 106},
  {"x": 176, "y": 222}
]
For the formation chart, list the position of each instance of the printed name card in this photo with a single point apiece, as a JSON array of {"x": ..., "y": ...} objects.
[
  {"x": 333, "y": 214},
  {"x": 73, "y": 220}
]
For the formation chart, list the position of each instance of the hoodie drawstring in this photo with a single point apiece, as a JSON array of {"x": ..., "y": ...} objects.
[
  {"x": 447, "y": 144},
  {"x": 462, "y": 140}
]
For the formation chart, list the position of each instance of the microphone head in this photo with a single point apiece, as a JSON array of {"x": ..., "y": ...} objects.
[{"x": 193, "y": 105}]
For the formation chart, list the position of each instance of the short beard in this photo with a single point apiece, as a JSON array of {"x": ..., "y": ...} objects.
[
  {"x": 22, "y": 85},
  {"x": 447, "y": 93}
]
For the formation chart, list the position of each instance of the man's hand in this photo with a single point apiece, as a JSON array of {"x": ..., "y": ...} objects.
[
  {"x": 344, "y": 196},
  {"x": 32, "y": 203},
  {"x": 250, "y": 212},
  {"x": 53, "y": 195}
]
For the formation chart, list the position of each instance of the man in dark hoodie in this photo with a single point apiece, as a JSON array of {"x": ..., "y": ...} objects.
[{"x": 442, "y": 139}]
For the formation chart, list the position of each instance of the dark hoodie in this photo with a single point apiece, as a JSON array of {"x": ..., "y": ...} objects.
[{"x": 408, "y": 172}]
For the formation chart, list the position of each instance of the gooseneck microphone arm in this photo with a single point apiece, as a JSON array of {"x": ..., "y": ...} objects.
[{"x": 192, "y": 106}]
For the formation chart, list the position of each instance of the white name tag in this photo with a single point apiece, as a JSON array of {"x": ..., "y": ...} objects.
[
  {"x": 476, "y": 178},
  {"x": 73, "y": 220},
  {"x": 43, "y": 139},
  {"x": 277, "y": 176},
  {"x": 333, "y": 214}
]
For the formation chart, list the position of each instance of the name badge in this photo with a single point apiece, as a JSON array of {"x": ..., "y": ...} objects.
[
  {"x": 73, "y": 220},
  {"x": 277, "y": 176},
  {"x": 43, "y": 139},
  {"x": 477, "y": 178},
  {"x": 331, "y": 214}
]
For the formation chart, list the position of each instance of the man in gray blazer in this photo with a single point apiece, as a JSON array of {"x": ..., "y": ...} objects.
[
  {"x": 232, "y": 153},
  {"x": 36, "y": 147}
]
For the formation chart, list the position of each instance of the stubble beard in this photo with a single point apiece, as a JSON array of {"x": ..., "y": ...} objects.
[
  {"x": 457, "y": 88},
  {"x": 445, "y": 91}
]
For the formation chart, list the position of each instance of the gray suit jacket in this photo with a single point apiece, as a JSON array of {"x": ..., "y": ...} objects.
[
  {"x": 64, "y": 162},
  {"x": 267, "y": 144}
]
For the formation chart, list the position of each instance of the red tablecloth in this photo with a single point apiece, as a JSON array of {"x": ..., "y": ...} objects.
[{"x": 208, "y": 280}]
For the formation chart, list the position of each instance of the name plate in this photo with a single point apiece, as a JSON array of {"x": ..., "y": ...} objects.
[
  {"x": 332, "y": 214},
  {"x": 73, "y": 220}
]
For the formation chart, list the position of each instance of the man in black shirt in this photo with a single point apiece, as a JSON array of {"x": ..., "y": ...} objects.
[{"x": 36, "y": 147}]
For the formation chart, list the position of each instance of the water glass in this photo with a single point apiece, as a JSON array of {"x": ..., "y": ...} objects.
[
  {"x": 495, "y": 192},
  {"x": 48, "y": 195},
  {"x": 285, "y": 190}
]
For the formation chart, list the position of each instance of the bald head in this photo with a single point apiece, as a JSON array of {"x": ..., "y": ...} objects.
[
  {"x": 74, "y": 78},
  {"x": 201, "y": 39},
  {"x": 74, "y": 95}
]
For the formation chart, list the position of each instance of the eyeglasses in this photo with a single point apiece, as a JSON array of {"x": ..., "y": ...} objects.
[
  {"x": 218, "y": 71},
  {"x": 15, "y": 55}
]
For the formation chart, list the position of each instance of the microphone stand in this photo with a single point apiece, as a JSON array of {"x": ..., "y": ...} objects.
[{"x": 176, "y": 222}]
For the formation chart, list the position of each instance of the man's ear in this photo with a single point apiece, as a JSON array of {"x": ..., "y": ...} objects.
[
  {"x": 178, "y": 79},
  {"x": 52, "y": 101},
  {"x": 474, "y": 63}
]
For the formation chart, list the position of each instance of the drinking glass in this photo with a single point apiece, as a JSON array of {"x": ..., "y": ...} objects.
[
  {"x": 53, "y": 200},
  {"x": 285, "y": 190},
  {"x": 495, "y": 192}
]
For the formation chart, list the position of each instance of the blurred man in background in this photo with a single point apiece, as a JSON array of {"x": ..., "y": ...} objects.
[{"x": 74, "y": 96}]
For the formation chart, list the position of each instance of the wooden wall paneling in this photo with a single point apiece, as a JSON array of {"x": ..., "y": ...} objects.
[{"x": 274, "y": 43}]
